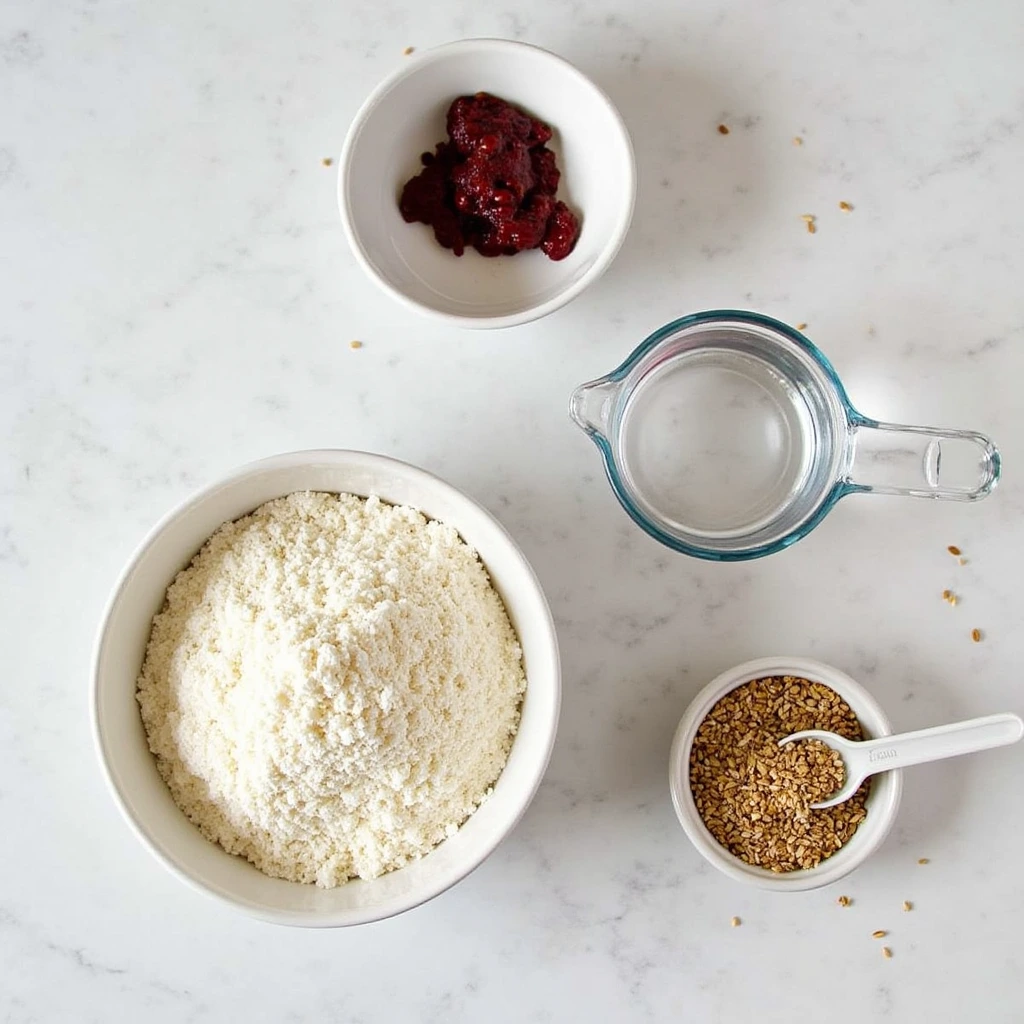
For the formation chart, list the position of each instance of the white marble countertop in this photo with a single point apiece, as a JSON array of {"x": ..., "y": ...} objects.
[{"x": 177, "y": 298}]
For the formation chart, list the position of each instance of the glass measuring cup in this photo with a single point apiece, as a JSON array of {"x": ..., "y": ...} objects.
[{"x": 728, "y": 435}]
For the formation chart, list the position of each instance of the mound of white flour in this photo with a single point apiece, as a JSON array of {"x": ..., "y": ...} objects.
[{"x": 331, "y": 687}]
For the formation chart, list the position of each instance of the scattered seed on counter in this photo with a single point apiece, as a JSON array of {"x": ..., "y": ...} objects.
[
  {"x": 961, "y": 561},
  {"x": 844, "y": 901},
  {"x": 355, "y": 344},
  {"x": 801, "y": 327},
  {"x": 950, "y": 598},
  {"x": 887, "y": 952},
  {"x": 845, "y": 206},
  {"x": 976, "y": 635},
  {"x": 880, "y": 934},
  {"x": 735, "y": 922},
  {"x": 797, "y": 141},
  {"x": 809, "y": 219},
  {"x": 923, "y": 860},
  {"x": 408, "y": 50},
  {"x": 954, "y": 550},
  {"x": 907, "y": 906},
  {"x": 723, "y": 129}
]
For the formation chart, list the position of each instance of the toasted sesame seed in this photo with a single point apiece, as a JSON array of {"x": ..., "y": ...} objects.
[
  {"x": 355, "y": 344},
  {"x": 327, "y": 161},
  {"x": 723, "y": 129},
  {"x": 887, "y": 952},
  {"x": 923, "y": 860},
  {"x": 801, "y": 327},
  {"x": 797, "y": 141},
  {"x": 735, "y": 922},
  {"x": 845, "y": 206},
  {"x": 408, "y": 50},
  {"x": 976, "y": 635},
  {"x": 880, "y": 934},
  {"x": 907, "y": 905},
  {"x": 953, "y": 550},
  {"x": 843, "y": 901},
  {"x": 962, "y": 561},
  {"x": 753, "y": 795}
]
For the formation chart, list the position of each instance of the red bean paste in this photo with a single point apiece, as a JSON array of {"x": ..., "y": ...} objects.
[{"x": 492, "y": 185}]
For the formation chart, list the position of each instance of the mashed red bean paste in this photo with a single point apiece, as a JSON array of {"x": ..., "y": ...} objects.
[{"x": 492, "y": 185}]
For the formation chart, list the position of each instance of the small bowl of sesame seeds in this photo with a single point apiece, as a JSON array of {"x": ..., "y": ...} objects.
[{"x": 744, "y": 801}]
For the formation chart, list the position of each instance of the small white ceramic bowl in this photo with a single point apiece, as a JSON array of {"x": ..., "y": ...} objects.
[
  {"x": 405, "y": 117},
  {"x": 131, "y": 769},
  {"x": 883, "y": 800}
]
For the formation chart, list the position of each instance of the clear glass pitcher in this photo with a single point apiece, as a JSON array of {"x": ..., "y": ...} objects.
[{"x": 728, "y": 435}]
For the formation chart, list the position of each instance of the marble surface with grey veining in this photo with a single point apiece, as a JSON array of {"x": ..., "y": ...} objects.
[{"x": 177, "y": 298}]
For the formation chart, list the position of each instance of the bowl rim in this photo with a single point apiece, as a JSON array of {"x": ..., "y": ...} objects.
[
  {"x": 883, "y": 802},
  {"x": 317, "y": 918},
  {"x": 534, "y": 312}
]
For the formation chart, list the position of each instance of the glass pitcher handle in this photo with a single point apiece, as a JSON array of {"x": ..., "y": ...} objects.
[{"x": 958, "y": 465}]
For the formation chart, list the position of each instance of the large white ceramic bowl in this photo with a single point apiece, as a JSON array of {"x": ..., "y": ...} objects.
[
  {"x": 131, "y": 770},
  {"x": 405, "y": 117},
  {"x": 883, "y": 800}
]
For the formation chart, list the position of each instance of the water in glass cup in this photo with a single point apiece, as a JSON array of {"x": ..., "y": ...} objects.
[{"x": 728, "y": 435}]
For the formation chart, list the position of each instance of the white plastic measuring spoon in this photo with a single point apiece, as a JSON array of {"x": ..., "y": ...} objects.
[{"x": 862, "y": 758}]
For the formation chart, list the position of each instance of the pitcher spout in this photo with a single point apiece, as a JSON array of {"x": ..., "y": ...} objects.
[{"x": 591, "y": 405}]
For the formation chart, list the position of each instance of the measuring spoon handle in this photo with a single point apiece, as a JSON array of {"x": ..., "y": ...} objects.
[{"x": 943, "y": 741}]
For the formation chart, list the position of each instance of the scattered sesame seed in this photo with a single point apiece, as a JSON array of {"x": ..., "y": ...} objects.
[
  {"x": 355, "y": 344},
  {"x": 887, "y": 952},
  {"x": 880, "y": 934},
  {"x": 907, "y": 905},
  {"x": 327, "y": 161},
  {"x": 923, "y": 860},
  {"x": 797, "y": 141},
  {"x": 843, "y": 901},
  {"x": 723, "y": 129},
  {"x": 953, "y": 550},
  {"x": 735, "y": 922},
  {"x": 408, "y": 50},
  {"x": 801, "y": 327},
  {"x": 845, "y": 206},
  {"x": 962, "y": 561},
  {"x": 976, "y": 635}
]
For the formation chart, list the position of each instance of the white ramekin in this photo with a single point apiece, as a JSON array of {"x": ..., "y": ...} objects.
[{"x": 883, "y": 801}]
